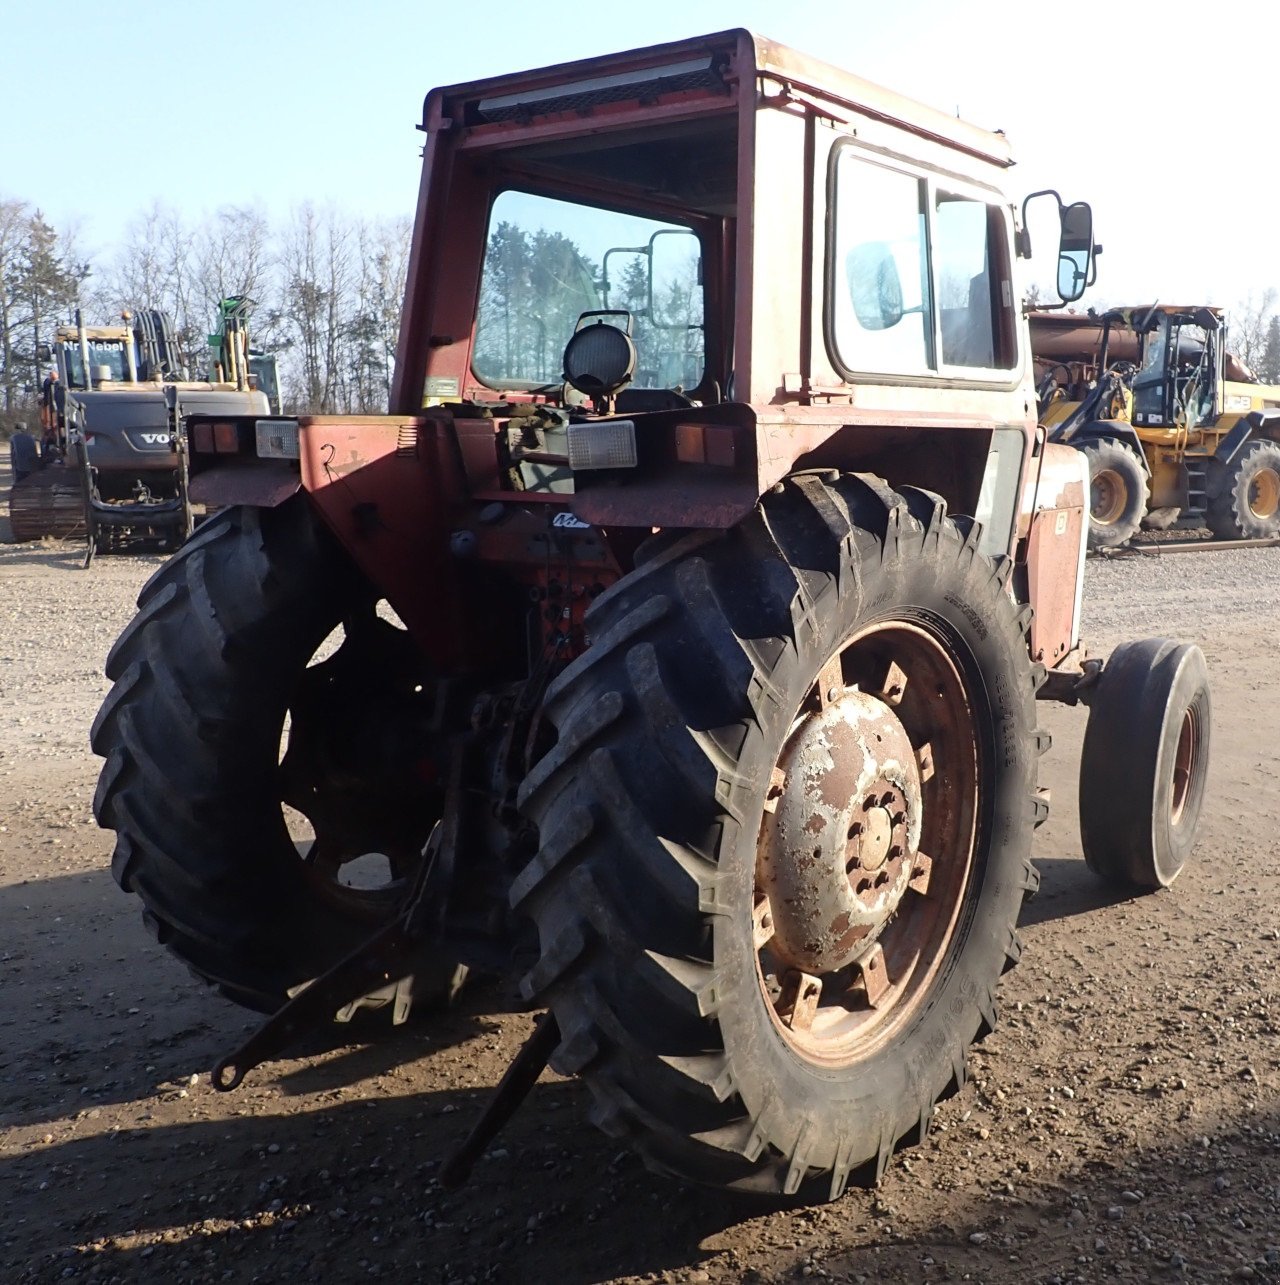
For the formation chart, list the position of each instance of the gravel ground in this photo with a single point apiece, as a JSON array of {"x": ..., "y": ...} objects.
[{"x": 1124, "y": 1121}]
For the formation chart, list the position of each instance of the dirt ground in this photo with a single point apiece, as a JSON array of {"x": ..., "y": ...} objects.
[{"x": 1124, "y": 1121}]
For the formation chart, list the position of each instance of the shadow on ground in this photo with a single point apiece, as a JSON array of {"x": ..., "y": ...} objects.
[
  {"x": 1068, "y": 887},
  {"x": 350, "y": 1192}
]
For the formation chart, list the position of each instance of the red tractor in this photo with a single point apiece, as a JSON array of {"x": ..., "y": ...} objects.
[{"x": 675, "y": 645}]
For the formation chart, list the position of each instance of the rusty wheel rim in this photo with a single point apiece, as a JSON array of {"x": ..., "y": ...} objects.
[
  {"x": 1107, "y": 493},
  {"x": 1186, "y": 760},
  {"x": 1264, "y": 493},
  {"x": 865, "y": 854}
]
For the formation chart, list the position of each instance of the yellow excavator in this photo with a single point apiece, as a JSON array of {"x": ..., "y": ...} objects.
[{"x": 1176, "y": 429}]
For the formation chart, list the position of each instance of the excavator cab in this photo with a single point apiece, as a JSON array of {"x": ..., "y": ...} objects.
[{"x": 1179, "y": 368}]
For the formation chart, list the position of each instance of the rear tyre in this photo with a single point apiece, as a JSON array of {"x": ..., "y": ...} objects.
[
  {"x": 1144, "y": 763},
  {"x": 211, "y": 821},
  {"x": 1244, "y": 496},
  {"x": 1118, "y": 492},
  {"x": 784, "y": 837}
]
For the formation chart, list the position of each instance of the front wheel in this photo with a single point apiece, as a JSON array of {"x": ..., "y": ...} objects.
[
  {"x": 1118, "y": 492},
  {"x": 1144, "y": 763},
  {"x": 785, "y": 835}
]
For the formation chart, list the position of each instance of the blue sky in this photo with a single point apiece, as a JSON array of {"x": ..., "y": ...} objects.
[{"x": 115, "y": 106}]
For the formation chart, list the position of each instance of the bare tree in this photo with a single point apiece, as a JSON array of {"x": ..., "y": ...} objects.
[
  {"x": 236, "y": 257},
  {"x": 14, "y": 215},
  {"x": 1250, "y": 322}
]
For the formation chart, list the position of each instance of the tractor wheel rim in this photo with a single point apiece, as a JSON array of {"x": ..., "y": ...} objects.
[
  {"x": 1264, "y": 493},
  {"x": 1186, "y": 762},
  {"x": 864, "y": 859},
  {"x": 1107, "y": 493}
]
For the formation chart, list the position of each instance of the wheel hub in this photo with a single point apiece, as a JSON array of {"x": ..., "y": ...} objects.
[
  {"x": 840, "y": 839},
  {"x": 1106, "y": 497}
]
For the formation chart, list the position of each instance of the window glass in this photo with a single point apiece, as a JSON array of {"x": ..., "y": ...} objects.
[
  {"x": 102, "y": 352},
  {"x": 880, "y": 287},
  {"x": 967, "y": 319},
  {"x": 918, "y": 279},
  {"x": 548, "y": 261}
]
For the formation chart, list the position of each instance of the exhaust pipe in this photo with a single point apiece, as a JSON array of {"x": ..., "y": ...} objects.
[
  {"x": 127, "y": 317},
  {"x": 84, "y": 348}
]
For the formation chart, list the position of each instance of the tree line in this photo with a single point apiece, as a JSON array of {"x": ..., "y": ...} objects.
[{"x": 328, "y": 288}]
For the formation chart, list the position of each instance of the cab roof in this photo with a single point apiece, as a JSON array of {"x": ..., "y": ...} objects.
[{"x": 725, "y": 55}]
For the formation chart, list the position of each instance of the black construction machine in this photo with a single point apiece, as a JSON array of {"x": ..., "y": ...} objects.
[{"x": 120, "y": 478}]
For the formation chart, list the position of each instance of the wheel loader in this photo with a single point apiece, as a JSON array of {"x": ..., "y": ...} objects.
[
  {"x": 697, "y": 697},
  {"x": 1175, "y": 428},
  {"x": 119, "y": 478}
]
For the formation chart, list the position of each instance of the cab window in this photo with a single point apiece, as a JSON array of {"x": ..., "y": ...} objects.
[{"x": 917, "y": 276}]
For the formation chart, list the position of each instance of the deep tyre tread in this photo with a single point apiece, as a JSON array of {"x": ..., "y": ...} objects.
[
  {"x": 1121, "y": 462},
  {"x": 648, "y": 832},
  {"x": 190, "y": 734},
  {"x": 1231, "y": 510}
]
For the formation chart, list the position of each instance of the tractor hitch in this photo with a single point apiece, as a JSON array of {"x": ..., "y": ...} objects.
[
  {"x": 384, "y": 960},
  {"x": 516, "y": 1084}
]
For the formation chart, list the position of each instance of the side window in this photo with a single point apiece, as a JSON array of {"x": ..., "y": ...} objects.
[
  {"x": 879, "y": 274},
  {"x": 918, "y": 276},
  {"x": 966, "y": 315}
]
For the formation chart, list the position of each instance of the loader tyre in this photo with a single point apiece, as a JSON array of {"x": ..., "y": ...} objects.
[
  {"x": 1144, "y": 763},
  {"x": 1244, "y": 495},
  {"x": 195, "y": 785},
  {"x": 1118, "y": 492},
  {"x": 785, "y": 835}
]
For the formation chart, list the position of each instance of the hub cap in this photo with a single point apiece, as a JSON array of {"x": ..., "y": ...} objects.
[
  {"x": 837, "y": 854},
  {"x": 867, "y": 843},
  {"x": 1264, "y": 493},
  {"x": 1107, "y": 493}
]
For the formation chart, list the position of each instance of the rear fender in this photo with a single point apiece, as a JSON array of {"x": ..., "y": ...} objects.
[
  {"x": 1055, "y": 552},
  {"x": 380, "y": 483},
  {"x": 707, "y": 468}
]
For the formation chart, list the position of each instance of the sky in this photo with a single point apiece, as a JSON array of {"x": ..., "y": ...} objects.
[{"x": 1160, "y": 114}]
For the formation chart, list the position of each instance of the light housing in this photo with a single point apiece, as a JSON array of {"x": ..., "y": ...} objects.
[
  {"x": 277, "y": 439},
  {"x": 596, "y": 444}
]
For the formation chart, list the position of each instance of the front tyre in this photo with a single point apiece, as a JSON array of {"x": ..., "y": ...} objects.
[
  {"x": 1118, "y": 492},
  {"x": 1144, "y": 763},
  {"x": 785, "y": 836}
]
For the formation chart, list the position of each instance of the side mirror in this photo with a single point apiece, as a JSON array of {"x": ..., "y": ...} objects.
[
  {"x": 1077, "y": 252},
  {"x": 43, "y": 352},
  {"x": 675, "y": 279},
  {"x": 875, "y": 288}
]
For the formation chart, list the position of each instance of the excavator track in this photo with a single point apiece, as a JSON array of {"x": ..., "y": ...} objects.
[{"x": 48, "y": 503}]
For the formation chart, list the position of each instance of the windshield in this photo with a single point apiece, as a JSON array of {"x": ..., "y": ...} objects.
[
  {"x": 548, "y": 261},
  {"x": 1148, "y": 383},
  {"x": 1184, "y": 352},
  {"x": 102, "y": 352}
]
